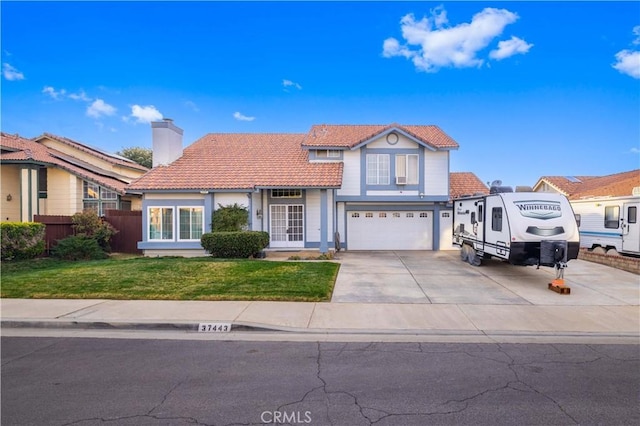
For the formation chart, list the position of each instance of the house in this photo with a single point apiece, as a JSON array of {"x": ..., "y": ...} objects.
[
  {"x": 356, "y": 187},
  {"x": 578, "y": 187},
  {"x": 53, "y": 175},
  {"x": 606, "y": 209}
]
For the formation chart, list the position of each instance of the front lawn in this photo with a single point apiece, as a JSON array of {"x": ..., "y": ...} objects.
[{"x": 202, "y": 278}]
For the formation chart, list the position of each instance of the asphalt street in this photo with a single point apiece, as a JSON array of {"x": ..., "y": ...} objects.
[{"x": 88, "y": 381}]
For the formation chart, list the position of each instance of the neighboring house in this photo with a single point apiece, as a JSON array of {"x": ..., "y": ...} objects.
[
  {"x": 358, "y": 187},
  {"x": 52, "y": 175},
  {"x": 579, "y": 187},
  {"x": 606, "y": 208}
]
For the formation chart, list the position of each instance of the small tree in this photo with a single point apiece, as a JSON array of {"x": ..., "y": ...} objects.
[
  {"x": 230, "y": 218},
  {"x": 142, "y": 156}
]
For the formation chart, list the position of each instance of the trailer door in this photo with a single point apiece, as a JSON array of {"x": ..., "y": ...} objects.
[
  {"x": 631, "y": 228},
  {"x": 478, "y": 227}
]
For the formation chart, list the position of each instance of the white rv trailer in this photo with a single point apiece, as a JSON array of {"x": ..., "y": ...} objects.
[
  {"x": 523, "y": 228},
  {"x": 609, "y": 222}
]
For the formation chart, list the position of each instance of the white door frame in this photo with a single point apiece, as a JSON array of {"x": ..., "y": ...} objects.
[{"x": 286, "y": 225}]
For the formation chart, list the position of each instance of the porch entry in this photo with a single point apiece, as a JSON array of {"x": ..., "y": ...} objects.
[{"x": 287, "y": 225}]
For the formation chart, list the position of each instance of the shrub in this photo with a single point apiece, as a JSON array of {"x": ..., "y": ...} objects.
[
  {"x": 78, "y": 247},
  {"x": 89, "y": 224},
  {"x": 22, "y": 240},
  {"x": 229, "y": 218},
  {"x": 235, "y": 244}
]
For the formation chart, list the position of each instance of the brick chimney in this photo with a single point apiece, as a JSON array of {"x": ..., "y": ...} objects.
[{"x": 166, "y": 142}]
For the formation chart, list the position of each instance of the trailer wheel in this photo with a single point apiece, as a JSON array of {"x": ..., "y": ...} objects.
[{"x": 474, "y": 259}]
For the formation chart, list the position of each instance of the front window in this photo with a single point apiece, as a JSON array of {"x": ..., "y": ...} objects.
[
  {"x": 160, "y": 223},
  {"x": 407, "y": 169},
  {"x": 378, "y": 169},
  {"x": 327, "y": 153},
  {"x": 191, "y": 223},
  {"x": 496, "y": 219},
  {"x": 286, "y": 193},
  {"x": 98, "y": 198}
]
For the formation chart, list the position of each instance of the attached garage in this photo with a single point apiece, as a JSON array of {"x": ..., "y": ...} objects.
[{"x": 390, "y": 230}]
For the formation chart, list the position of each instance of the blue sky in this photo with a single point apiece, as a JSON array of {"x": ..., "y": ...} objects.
[{"x": 526, "y": 88}]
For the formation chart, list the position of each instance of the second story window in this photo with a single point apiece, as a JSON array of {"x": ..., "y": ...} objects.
[
  {"x": 327, "y": 153},
  {"x": 407, "y": 169},
  {"x": 378, "y": 169}
]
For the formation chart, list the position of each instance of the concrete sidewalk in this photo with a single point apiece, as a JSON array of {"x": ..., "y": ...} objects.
[{"x": 335, "y": 318}]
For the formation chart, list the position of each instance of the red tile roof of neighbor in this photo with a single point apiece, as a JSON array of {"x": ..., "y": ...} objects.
[
  {"x": 615, "y": 185},
  {"x": 242, "y": 161},
  {"x": 111, "y": 158},
  {"x": 29, "y": 152},
  {"x": 465, "y": 183},
  {"x": 348, "y": 136}
]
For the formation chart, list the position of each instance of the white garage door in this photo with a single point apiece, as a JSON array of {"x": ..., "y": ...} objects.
[{"x": 375, "y": 230}]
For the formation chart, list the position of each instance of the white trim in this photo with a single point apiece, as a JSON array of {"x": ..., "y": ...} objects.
[
  {"x": 177, "y": 224},
  {"x": 173, "y": 224}
]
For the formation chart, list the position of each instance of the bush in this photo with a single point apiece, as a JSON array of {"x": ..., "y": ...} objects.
[
  {"x": 235, "y": 244},
  {"x": 22, "y": 240},
  {"x": 78, "y": 247},
  {"x": 89, "y": 224},
  {"x": 231, "y": 218}
]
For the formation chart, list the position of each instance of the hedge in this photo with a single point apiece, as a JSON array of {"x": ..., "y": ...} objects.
[
  {"x": 22, "y": 240},
  {"x": 235, "y": 244}
]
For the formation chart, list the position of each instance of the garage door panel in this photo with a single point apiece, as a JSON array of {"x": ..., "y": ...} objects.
[{"x": 376, "y": 230}]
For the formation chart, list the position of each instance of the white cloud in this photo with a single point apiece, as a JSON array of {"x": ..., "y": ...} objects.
[
  {"x": 431, "y": 43},
  {"x": 145, "y": 114},
  {"x": 240, "y": 117},
  {"x": 80, "y": 96},
  {"x": 10, "y": 73},
  {"x": 635, "y": 150},
  {"x": 628, "y": 62},
  {"x": 289, "y": 83},
  {"x": 99, "y": 108},
  {"x": 192, "y": 105},
  {"x": 509, "y": 48},
  {"x": 48, "y": 90}
]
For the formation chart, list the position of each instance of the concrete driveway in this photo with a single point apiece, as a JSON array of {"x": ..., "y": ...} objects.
[{"x": 440, "y": 277}]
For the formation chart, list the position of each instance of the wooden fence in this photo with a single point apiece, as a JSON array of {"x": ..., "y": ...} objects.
[{"x": 128, "y": 223}]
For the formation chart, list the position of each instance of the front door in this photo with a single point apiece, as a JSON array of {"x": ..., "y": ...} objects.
[
  {"x": 287, "y": 225},
  {"x": 631, "y": 228}
]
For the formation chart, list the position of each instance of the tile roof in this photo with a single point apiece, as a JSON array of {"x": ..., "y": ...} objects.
[
  {"x": 106, "y": 156},
  {"x": 615, "y": 185},
  {"x": 242, "y": 161},
  {"x": 349, "y": 136},
  {"x": 28, "y": 151},
  {"x": 465, "y": 183}
]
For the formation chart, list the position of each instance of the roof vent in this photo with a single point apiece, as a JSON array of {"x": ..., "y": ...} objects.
[{"x": 635, "y": 191}]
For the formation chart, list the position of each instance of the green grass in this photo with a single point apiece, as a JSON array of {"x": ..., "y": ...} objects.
[{"x": 201, "y": 278}]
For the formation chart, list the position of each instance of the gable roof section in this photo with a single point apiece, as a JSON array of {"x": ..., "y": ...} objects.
[
  {"x": 26, "y": 151},
  {"x": 244, "y": 161},
  {"x": 350, "y": 136},
  {"x": 95, "y": 152},
  {"x": 615, "y": 185},
  {"x": 465, "y": 183}
]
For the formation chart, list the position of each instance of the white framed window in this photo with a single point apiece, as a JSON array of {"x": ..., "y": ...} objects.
[
  {"x": 160, "y": 223},
  {"x": 378, "y": 170},
  {"x": 190, "y": 223},
  {"x": 407, "y": 169},
  {"x": 286, "y": 193}
]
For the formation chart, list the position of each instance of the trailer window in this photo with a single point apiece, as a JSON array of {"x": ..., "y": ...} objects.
[
  {"x": 480, "y": 213},
  {"x": 632, "y": 214},
  {"x": 612, "y": 217},
  {"x": 496, "y": 219}
]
